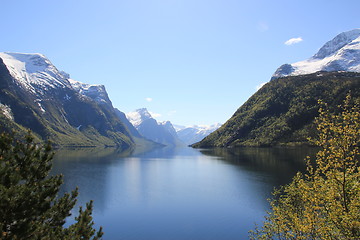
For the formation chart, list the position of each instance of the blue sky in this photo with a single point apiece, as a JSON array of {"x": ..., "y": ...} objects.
[{"x": 187, "y": 61}]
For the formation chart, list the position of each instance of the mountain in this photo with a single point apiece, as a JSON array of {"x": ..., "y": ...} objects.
[
  {"x": 167, "y": 125},
  {"x": 340, "y": 54},
  {"x": 282, "y": 111},
  {"x": 98, "y": 94},
  {"x": 139, "y": 116},
  {"x": 36, "y": 95},
  {"x": 95, "y": 92},
  {"x": 127, "y": 123},
  {"x": 193, "y": 134},
  {"x": 149, "y": 128}
]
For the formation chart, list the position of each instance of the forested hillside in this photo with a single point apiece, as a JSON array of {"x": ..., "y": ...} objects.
[{"x": 282, "y": 112}]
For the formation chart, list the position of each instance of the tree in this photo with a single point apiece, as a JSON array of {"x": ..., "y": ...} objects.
[
  {"x": 29, "y": 206},
  {"x": 323, "y": 203}
]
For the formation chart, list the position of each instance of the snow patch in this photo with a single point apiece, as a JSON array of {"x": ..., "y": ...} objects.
[
  {"x": 38, "y": 102},
  {"x": 67, "y": 97},
  {"x": 6, "y": 111}
]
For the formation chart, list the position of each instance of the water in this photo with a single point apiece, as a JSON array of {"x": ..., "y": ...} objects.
[{"x": 177, "y": 193}]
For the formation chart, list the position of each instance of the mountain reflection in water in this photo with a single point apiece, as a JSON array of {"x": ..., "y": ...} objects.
[{"x": 177, "y": 193}]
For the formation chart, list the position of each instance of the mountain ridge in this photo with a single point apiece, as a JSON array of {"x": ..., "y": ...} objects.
[
  {"x": 41, "y": 98},
  {"x": 342, "y": 53},
  {"x": 192, "y": 134},
  {"x": 283, "y": 110}
]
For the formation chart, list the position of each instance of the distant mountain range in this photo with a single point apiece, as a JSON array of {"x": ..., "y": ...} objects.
[
  {"x": 36, "y": 95},
  {"x": 282, "y": 112},
  {"x": 193, "y": 134},
  {"x": 165, "y": 132}
]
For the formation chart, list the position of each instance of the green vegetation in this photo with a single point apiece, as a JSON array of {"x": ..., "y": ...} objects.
[
  {"x": 324, "y": 203},
  {"x": 283, "y": 111},
  {"x": 61, "y": 115},
  {"x": 29, "y": 206}
]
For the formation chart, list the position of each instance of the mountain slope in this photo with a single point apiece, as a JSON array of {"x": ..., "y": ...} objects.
[
  {"x": 149, "y": 128},
  {"x": 127, "y": 123},
  {"x": 42, "y": 99},
  {"x": 340, "y": 54},
  {"x": 282, "y": 111}
]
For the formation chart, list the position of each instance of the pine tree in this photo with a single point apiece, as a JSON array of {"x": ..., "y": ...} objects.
[
  {"x": 324, "y": 203},
  {"x": 29, "y": 206}
]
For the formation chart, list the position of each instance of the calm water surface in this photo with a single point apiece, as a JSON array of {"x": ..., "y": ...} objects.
[{"x": 177, "y": 193}]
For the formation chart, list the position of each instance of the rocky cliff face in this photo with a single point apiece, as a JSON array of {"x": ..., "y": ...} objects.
[{"x": 45, "y": 100}]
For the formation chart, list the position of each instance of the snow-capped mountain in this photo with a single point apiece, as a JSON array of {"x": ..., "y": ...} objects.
[
  {"x": 169, "y": 127},
  {"x": 34, "y": 72},
  {"x": 34, "y": 94},
  {"x": 127, "y": 123},
  {"x": 193, "y": 134},
  {"x": 139, "y": 116},
  {"x": 340, "y": 54},
  {"x": 148, "y": 127},
  {"x": 96, "y": 92}
]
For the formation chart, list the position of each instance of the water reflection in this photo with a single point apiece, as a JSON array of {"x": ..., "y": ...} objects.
[
  {"x": 93, "y": 171},
  {"x": 86, "y": 169},
  {"x": 167, "y": 152},
  {"x": 280, "y": 163},
  {"x": 177, "y": 193}
]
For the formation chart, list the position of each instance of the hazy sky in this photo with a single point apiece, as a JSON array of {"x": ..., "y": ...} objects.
[{"x": 187, "y": 61}]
